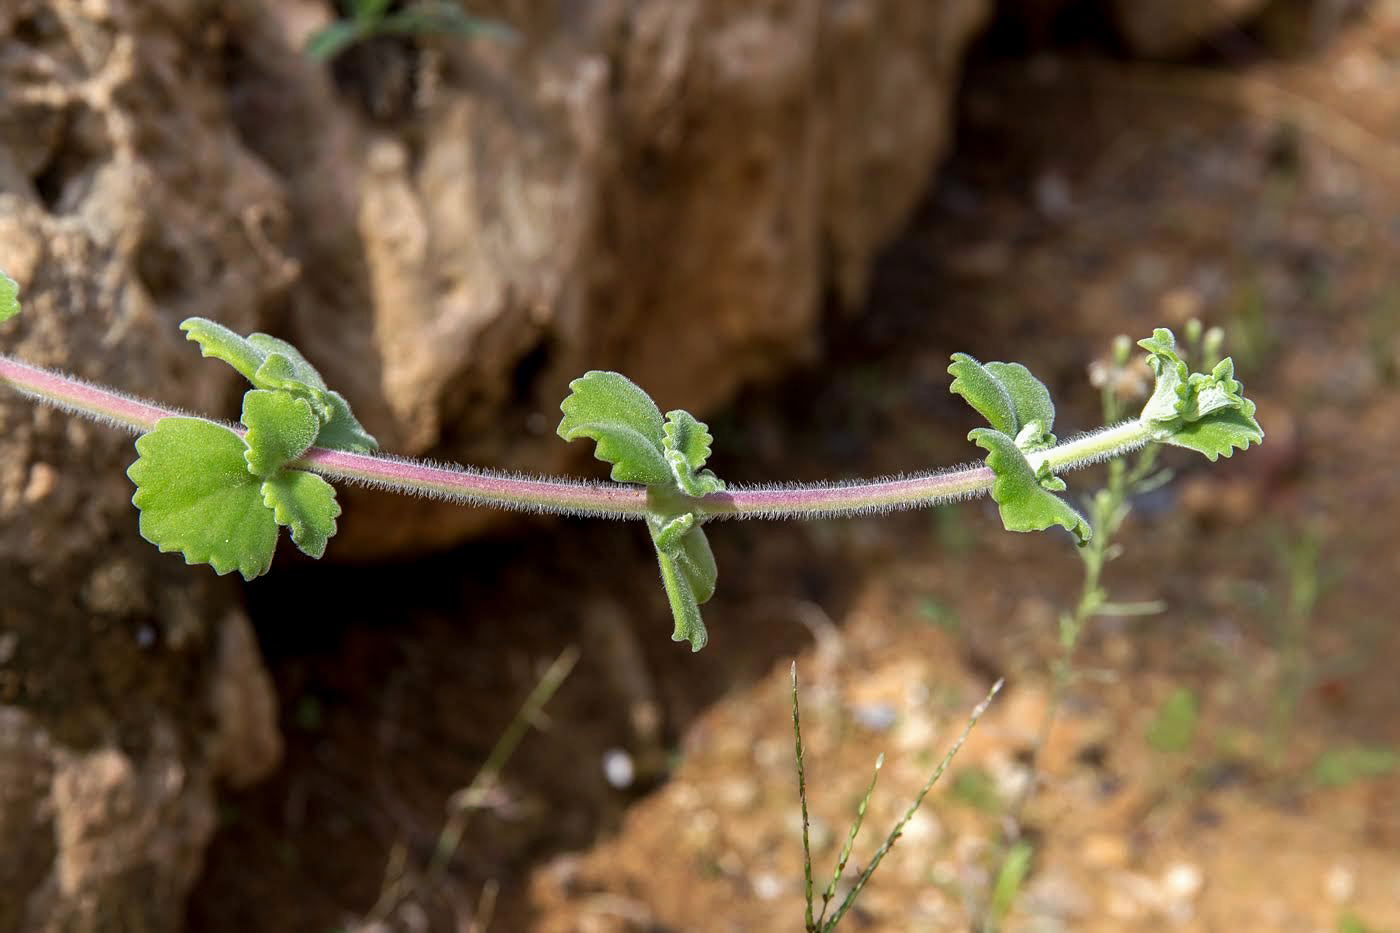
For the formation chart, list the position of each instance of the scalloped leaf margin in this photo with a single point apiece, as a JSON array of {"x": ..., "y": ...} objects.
[
  {"x": 667, "y": 454},
  {"x": 1204, "y": 412}
]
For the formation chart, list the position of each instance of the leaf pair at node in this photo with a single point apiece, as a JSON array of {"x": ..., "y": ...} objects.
[
  {"x": 275, "y": 365},
  {"x": 1021, "y": 413},
  {"x": 218, "y": 497},
  {"x": 666, "y": 454},
  {"x": 1204, "y": 412}
]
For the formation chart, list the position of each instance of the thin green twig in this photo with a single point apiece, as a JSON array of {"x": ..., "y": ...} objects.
[
  {"x": 830, "y": 893},
  {"x": 802, "y": 796},
  {"x": 913, "y": 808},
  {"x": 470, "y": 797}
]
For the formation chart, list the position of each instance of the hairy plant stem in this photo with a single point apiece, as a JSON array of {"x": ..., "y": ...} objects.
[{"x": 580, "y": 497}]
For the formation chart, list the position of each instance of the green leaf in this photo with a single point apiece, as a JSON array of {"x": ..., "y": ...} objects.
[
  {"x": 1169, "y": 393},
  {"x": 196, "y": 496},
  {"x": 342, "y": 431},
  {"x": 1207, "y": 413},
  {"x": 623, "y": 421},
  {"x": 325, "y": 44},
  {"x": 1219, "y": 434},
  {"x": 295, "y": 367},
  {"x": 1174, "y": 726},
  {"x": 304, "y": 503},
  {"x": 281, "y": 427},
  {"x": 1012, "y": 400},
  {"x": 443, "y": 19},
  {"x": 984, "y": 392},
  {"x": 1024, "y": 504},
  {"x": 1029, "y": 396},
  {"x": 217, "y": 341},
  {"x": 1010, "y": 877},
  {"x": 687, "y": 437},
  {"x": 687, "y": 447},
  {"x": 685, "y": 605},
  {"x": 1341, "y": 766},
  {"x": 9, "y": 297},
  {"x": 287, "y": 368},
  {"x": 270, "y": 363},
  {"x": 1217, "y": 392},
  {"x": 697, "y": 562},
  {"x": 688, "y": 572}
]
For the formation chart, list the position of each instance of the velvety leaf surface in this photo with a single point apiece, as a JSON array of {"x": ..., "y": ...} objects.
[
  {"x": 624, "y": 423},
  {"x": 685, "y": 606},
  {"x": 1219, "y": 434},
  {"x": 1029, "y": 397},
  {"x": 280, "y": 429},
  {"x": 269, "y": 363},
  {"x": 697, "y": 562},
  {"x": 196, "y": 496},
  {"x": 687, "y": 447},
  {"x": 1024, "y": 504},
  {"x": 9, "y": 297},
  {"x": 1207, "y": 413},
  {"x": 305, "y": 504},
  {"x": 984, "y": 392}
]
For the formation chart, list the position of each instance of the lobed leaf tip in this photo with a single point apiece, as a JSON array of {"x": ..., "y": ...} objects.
[
  {"x": 1023, "y": 501},
  {"x": 196, "y": 496}
]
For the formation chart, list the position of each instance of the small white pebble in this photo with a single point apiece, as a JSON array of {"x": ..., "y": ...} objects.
[
  {"x": 877, "y": 717},
  {"x": 915, "y": 732},
  {"x": 618, "y": 769},
  {"x": 1340, "y": 884},
  {"x": 767, "y": 886},
  {"x": 738, "y": 794},
  {"x": 924, "y": 829},
  {"x": 1183, "y": 881},
  {"x": 771, "y": 753}
]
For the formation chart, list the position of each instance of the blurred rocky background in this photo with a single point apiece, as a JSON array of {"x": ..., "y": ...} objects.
[{"x": 690, "y": 191}]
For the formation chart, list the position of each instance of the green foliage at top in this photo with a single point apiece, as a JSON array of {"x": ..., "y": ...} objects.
[
  {"x": 369, "y": 18},
  {"x": 218, "y": 497},
  {"x": 275, "y": 365},
  {"x": 1204, "y": 412},
  {"x": 9, "y": 298},
  {"x": 667, "y": 455}
]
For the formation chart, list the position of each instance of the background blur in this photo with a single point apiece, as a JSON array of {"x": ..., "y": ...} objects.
[{"x": 782, "y": 215}]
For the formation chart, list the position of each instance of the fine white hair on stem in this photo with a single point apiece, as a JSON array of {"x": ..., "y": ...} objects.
[
  {"x": 877, "y": 496},
  {"x": 449, "y": 482},
  {"x": 1097, "y": 446}
]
